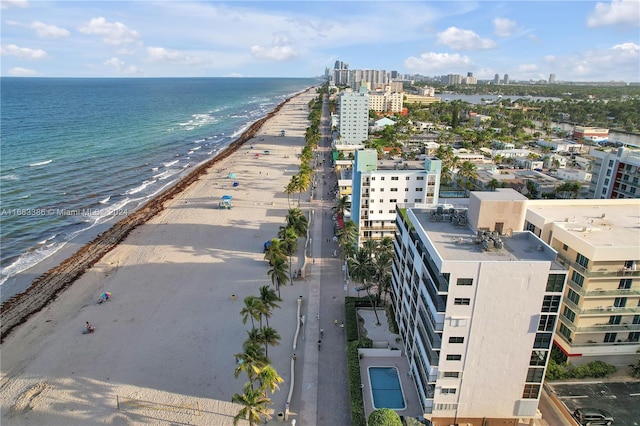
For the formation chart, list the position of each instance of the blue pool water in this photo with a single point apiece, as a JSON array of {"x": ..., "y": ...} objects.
[{"x": 386, "y": 390}]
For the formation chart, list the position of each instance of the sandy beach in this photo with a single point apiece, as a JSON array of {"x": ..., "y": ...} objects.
[{"x": 163, "y": 347}]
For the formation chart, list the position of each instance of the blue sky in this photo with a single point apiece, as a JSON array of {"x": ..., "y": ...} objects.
[{"x": 576, "y": 40}]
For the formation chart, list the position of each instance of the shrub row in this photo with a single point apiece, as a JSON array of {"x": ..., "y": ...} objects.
[
  {"x": 355, "y": 380},
  {"x": 351, "y": 305},
  {"x": 567, "y": 371}
]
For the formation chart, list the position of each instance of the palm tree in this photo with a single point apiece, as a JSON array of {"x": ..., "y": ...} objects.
[
  {"x": 361, "y": 269},
  {"x": 342, "y": 204},
  {"x": 279, "y": 273},
  {"x": 298, "y": 221},
  {"x": 269, "y": 379},
  {"x": 253, "y": 309},
  {"x": 268, "y": 336},
  {"x": 289, "y": 242},
  {"x": 347, "y": 235},
  {"x": 269, "y": 298},
  {"x": 275, "y": 250},
  {"x": 291, "y": 188},
  {"x": 568, "y": 190},
  {"x": 254, "y": 405},
  {"x": 467, "y": 173},
  {"x": 251, "y": 361}
]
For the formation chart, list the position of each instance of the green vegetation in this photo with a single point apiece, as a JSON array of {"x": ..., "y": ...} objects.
[
  {"x": 384, "y": 417},
  {"x": 634, "y": 369},
  {"x": 565, "y": 370},
  {"x": 355, "y": 380}
]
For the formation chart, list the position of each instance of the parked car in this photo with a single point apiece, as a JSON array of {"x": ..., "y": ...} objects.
[{"x": 592, "y": 416}]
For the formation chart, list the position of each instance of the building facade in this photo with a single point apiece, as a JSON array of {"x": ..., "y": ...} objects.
[
  {"x": 378, "y": 186},
  {"x": 476, "y": 304},
  {"x": 615, "y": 173},
  {"x": 598, "y": 242},
  {"x": 386, "y": 100},
  {"x": 353, "y": 114}
]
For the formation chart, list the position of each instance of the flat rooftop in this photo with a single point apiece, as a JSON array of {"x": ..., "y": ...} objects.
[
  {"x": 600, "y": 223},
  {"x": 459, "y": 242}
]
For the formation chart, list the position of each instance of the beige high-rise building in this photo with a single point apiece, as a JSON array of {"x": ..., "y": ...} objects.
[{"x": 598, "y": 241}]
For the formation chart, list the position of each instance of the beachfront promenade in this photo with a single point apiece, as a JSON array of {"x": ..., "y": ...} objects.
[{"x": 164, "y": 345}]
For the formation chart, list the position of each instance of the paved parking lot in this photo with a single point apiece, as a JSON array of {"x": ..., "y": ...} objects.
[{"x": 621, "y": 399}]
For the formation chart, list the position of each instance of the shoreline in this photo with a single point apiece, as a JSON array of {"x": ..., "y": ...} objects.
[{"x": 45, "y": 288}]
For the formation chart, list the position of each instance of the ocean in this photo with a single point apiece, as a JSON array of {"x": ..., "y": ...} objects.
[{"x": 78, "y": 153}]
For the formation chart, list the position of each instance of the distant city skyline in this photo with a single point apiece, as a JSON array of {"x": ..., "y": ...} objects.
[{"x": 577, "y": 41}]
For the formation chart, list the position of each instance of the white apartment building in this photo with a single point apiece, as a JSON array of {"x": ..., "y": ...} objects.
[
  {"x": 353, "y": 114},
  {"x": 599, "y": 243},
  {"x": 477, "y": 305},
  {"x": 379, "y": 185},
  {"x": 615, "y": 173}
]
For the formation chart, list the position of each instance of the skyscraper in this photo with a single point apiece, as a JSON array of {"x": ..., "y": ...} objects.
[{"x": 353, "y": 113}]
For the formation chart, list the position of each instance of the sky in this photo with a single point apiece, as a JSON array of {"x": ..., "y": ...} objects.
[{"x": 528, "y": 40}]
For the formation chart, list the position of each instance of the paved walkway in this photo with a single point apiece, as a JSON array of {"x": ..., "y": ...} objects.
[{"x": 324, "y": 392}]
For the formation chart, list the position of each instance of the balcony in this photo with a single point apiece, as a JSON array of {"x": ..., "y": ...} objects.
[
  {"x": 592, "y": 343},
  {"x": 622, "y": 272},
  {"x": 603, "y": 328},
  {"x": 598, "y": 292},
  {"x": 601, "y": 310}
]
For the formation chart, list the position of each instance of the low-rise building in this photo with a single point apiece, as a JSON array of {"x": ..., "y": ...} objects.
[{"x": 615, "y": 173}]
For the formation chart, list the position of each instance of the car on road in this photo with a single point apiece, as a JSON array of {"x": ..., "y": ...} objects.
[{"x": 592, "y": 416}]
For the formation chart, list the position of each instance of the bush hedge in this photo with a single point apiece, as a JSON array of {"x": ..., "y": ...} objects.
[
  {"x": 355, "y": 380},
  {"x": 567, "y": 371}
]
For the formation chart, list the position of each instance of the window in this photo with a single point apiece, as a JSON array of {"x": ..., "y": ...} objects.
[
  {"x": 625, "y": 284},
  {"x": 381, "y": 189},
  {"x": 448, "y": 391},
  {"x": 615, "y": 319},
  {"x": 381, "y": 200},
  {"x": 393, "y": 200},
  {"x": 634, "y": 336},
  {"x": 582, "y": 261},
  {"x": 406, "y": 190},
  {"x": 636, "y": 319},
  {"x": 531, "y": 391},
  {"x": 538, "y": 358},
  {"x": 446, "y": 406},
  {"x": 546, "y": 323},
  {"x": 542, "y": 341},
  {"x": 565, "y": 331},
  {"x": 565, "y": 247},
  {"x": 392, "y": 211},
  {"x": 465, "y": 281},
  {"x": 394, "y": 177},
  {"x": 569, "y": 314},
  {"x": 394, "y": 190},
  {"x": 620, "y": 302},
  {"x": 420, "y": 178},
  {"x": 462, "y": 301},
  {"x": 555, "y": 283},
  {"x": 419, "y": 189},
  {"x": 451, "y": 374},
  {"x": 606, "y": 182},
  {"x": 573, "y": 296},
  {"x": 382, "y": 178},
  {"x": 456, "y": 339},
  {"x": 373, "y": 178},
  {"x": 610, "y": 337},
  {"x": 408, "y": 178},
  {"x": 373, "y": 189},
  {"x": 577, "y": 278},
  {"x": 454, "y": 357},
  {"x": 535, "y": 375},
  {"x": 530, "y": 227},
  {"x": 380, "y": 211},
  {"x": 551, "y": 303}
]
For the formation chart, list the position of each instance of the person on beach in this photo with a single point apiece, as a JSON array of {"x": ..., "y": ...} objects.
[{"x": 89, "y": 328}]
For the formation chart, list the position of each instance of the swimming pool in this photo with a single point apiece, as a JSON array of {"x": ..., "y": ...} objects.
[{"x": 386, "y": 389}]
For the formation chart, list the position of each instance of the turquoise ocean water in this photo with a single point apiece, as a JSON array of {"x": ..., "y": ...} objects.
[{"x": 74, "y": 153}]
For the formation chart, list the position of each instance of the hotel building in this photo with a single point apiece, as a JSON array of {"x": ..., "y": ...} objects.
[
  {"x": 379, "y": 185},
  {"x": 599, "y": 243},
  {"x": 615, "y": 173},
  {"x": 477, "y": 304}
]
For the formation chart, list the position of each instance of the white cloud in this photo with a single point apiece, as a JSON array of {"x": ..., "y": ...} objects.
[
  {"x": 459, "y": 39},
  {"x": 627, "y": 50},
  {"x": 273, "y": 53},
  {"x": 160, "y": 54},
  {"x": 613, "y": 63},
  {"x": 121, "y": 67},
  {"x": 234, "y": 74},
  {"x": 504, "y": 27},
  {"x": 115, "y": 33},
  {"x": 527, "y": 68},
  {"x": 22, "y": 72},
  {"x": 48, "y": 31},
  {"x": 618, "y": 12},
  {"x": 432, "y": 62},
  {"x": 6, "y": 4},
  {"x": 22, "y": 52}
]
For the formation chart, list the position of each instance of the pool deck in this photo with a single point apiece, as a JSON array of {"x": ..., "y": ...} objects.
[{"x": 387, "y": 359}]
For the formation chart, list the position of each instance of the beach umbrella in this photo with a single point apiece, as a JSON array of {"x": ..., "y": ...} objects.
[{"x": 105, "y": 295}]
